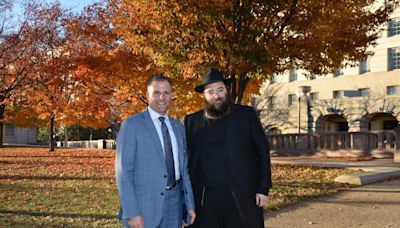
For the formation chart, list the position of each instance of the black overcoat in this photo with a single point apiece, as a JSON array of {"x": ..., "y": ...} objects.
[{"x": 247, "y": 161}]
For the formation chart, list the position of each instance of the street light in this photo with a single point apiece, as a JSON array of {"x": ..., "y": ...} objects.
[
  {"x": 109, "y": 132},
  {"x": 301, "y": 91}
]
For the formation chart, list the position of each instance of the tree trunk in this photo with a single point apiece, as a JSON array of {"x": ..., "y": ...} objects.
[
  {"x": 232, "y": 87},
  {"x": 243, "y": 82},
  {"x": 1, "y": 134},
  {"x": 51, "y": 139},
  {"x": 65, "y": 136},
  {"x": 2, "y": 109},
  {"x": 237, "y": 89}
]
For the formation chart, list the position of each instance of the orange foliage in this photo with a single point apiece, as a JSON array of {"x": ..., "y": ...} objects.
[
  {"x": 248, "y": 39},
  {"x": 91, "y": 69},
  {"x": 21, "y": 50},
  {"x": 112, "y": 77}
]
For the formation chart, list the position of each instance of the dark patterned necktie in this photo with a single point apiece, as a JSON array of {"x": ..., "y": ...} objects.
[{"x": 169, "y": 157}]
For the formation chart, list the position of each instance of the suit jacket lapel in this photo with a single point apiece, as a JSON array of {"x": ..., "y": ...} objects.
[
  {"x": 175, "y": 128},
  {"x": 148, "y": 122},
  {"x": 179, "y": 139}
]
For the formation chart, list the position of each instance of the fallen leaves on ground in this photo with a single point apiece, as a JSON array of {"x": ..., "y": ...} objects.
[
  {"x": 66, "y": 188},
  {"x": 76, "y": 187}
]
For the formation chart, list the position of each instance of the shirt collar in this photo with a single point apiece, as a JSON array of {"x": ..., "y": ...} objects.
[{"x": 154, "y": 115}]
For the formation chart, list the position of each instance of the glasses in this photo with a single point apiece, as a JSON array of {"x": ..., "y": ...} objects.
[{"x": 218, "y": 91}]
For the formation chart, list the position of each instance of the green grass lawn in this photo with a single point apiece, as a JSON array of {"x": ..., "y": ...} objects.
[{"x": 76, "y": 188}]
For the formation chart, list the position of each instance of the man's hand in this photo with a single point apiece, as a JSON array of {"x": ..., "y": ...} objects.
[
  {"x": 192, "y": 216},
  {"x": 136, "y": 222},
  {"x": 261, "y": 199}
]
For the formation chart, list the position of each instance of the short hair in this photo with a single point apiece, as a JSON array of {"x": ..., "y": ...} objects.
[{"x": 159, "y": 78}]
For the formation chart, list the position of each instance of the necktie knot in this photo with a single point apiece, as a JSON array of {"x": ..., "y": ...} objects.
[{"x": 162, "y": 119}]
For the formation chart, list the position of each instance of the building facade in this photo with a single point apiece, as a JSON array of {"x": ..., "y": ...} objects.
[
  {"x": 19, "y": 135},
  {"x": 361, "y": 98}
]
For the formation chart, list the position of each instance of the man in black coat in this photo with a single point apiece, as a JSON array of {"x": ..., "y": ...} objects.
[{"x": 229, "y": 162}]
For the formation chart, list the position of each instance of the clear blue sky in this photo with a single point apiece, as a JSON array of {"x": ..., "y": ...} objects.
[{"x": 74, "y": 5}]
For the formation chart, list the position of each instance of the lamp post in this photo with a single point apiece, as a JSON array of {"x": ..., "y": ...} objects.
[
  {"x": 109, "y": 132},
  {"x": 298, "y": 113},
  {"x": 301, "y": 91}
]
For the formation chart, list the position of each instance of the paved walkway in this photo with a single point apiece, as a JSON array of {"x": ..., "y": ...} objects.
[{"x": 372, "y": 205}]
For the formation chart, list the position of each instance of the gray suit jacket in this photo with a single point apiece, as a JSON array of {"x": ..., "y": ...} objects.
[{"x": 141, "y": 171}]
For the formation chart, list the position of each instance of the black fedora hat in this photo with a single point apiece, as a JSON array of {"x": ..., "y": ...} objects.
[{"x": 212, "y": 75}]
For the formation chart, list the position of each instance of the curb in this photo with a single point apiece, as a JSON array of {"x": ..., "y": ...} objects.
[
  {"x": 368, "y": 177},
  {"x": 371, "y": 174}
]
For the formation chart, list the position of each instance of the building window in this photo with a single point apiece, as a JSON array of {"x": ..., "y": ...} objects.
[
  {"x": 364, "y": 65},
  {"x": 392, "y": 90},
  {"x": 337, "y": 94},
  {"x": 364, "y": 92},
  {"x": 338, "y": 72},
  {"x": 394, "y": 58},
  {"x": 8, "y": 130},
  {"x": 292, "y": 98},
  {"x": 394, "y": 26},
  {"x": 273, "y": 103},
  {"x": 314, "y": 96},
  {"x": 292, "y": 75}
]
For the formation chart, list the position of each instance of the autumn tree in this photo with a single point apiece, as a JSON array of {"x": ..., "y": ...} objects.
[
  {"x": 51, "y": 96},
  {"x": 49, "y": 91},
  {"x": 77, "y": 77},
  {"x": 113, "y": 75},
  {"x": 83, "y": 75},
  {"x": 249, "y": 39},
  {"x": 21, "y": 52}
]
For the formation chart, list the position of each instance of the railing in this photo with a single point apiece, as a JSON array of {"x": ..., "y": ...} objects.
[
  {"x": 93, "y": 144},
  {"x": 372, "y": 143}
]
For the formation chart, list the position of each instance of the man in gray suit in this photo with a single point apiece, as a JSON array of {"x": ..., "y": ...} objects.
[{"x": 151, "y": 165}]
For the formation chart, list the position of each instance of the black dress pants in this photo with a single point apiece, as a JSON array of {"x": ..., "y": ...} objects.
[{"x": 219, "y": 209}]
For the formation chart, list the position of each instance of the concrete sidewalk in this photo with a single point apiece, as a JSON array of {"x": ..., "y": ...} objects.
[{"x": 372, "y": 205}]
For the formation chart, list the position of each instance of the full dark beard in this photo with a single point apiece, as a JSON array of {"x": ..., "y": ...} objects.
[{"x": 212, "y": 112}]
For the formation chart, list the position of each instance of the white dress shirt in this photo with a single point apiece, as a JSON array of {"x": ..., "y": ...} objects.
[{"x": 157, "y": 123}]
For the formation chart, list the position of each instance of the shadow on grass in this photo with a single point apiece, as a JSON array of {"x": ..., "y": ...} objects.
[
  {"x": 17, "y": 177},
  {"x": 45, "y": 214}
]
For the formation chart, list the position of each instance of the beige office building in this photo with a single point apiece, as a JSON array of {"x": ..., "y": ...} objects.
[{"x": 362, "y": 98}]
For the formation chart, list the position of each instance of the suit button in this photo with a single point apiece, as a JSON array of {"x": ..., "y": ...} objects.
[
  {"x": 162, "y": 193},
  {"x": 165, "y": 176}
]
